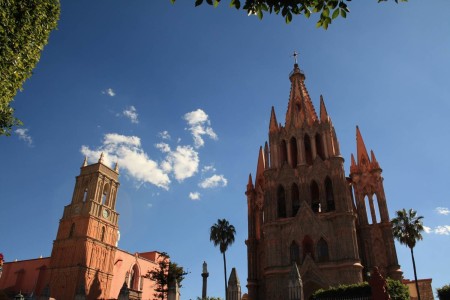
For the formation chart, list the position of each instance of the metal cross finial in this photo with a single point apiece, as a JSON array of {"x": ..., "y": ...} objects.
[{"x": 295, "y": 56}]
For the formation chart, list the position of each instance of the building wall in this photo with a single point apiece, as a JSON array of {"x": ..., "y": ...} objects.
[
  {"x": 28, "y": 276},
  {"x": 425, "y": 288}
]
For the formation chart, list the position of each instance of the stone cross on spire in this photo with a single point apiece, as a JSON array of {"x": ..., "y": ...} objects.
[{"x": 295, "y": 55}]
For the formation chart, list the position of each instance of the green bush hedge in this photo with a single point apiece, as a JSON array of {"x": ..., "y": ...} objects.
[
  {"x": 444, "y": 292},
  {"x": 396, "y": 289}
]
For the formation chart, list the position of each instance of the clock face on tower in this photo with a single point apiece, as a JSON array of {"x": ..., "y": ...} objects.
[{"x": 105, "y": 213}]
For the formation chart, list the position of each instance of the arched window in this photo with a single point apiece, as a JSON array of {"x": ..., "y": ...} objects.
[
  {"x": 376, "y": 209},
  {"x": 329, "y": 194},
  {"x": 102, "y": 237},
  {"x": 294, "y": 152},
  {"x": 315, "y": 200},
  {"x": 308, "y": 247},
  {"x": 72, "y": 230},
  {"x": 319, "y": 146},
  {"x": 105, "y": 199},
  {"x": 294, "y": 253},
  {"x": 295, "y": 199},
  {"x": 281, "y": 202},
  {"x": 85, "y": 195},
  {"x": 308, "y": 151},
  {"x": 322, "y": 250},
  {"x": 283, "y": 152},
  {"x": 134, "y": 281},
  {"x": 368, "y": 210}
]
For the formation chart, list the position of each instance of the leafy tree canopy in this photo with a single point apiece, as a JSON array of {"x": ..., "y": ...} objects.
[
  {"x": 328, "y": 9},
  {"x": 166, "y": 272},
  {"x": 444, "y": 292},
  {"x": 25, "y": 26}
]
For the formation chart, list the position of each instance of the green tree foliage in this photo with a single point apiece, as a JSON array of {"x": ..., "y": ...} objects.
[
  {"x": 222, "y": 235},
  {"x": 166, "y": 272},
  {"x": 328, "y": 9},
  {"x": 351, "y": 290},
  {"x": 407, "y": 228},
  {"x": 25, "y": 26},
  {"x": 444, "y": 292},
  {"x": 395, "y": 288}
]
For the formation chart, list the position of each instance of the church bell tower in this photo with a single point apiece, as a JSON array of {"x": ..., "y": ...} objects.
[
  {"x": 83, "y": 252},
  {"x": 300, "y": 209}
]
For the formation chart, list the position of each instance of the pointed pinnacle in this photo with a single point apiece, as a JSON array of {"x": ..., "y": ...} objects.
[
  {"x": 361, "y": 147},
  {"x": 85, "y": 162},
  {"x": 323, "y": 111},
  {"x": 116, "y": 167},
  {"x": 260, "y": 168},
  {"x": 100, "y": 160},
  {"x": 374, "y": 161},
  {"x": 273, "y": 126},
  {"x": 250, "y": 182}
]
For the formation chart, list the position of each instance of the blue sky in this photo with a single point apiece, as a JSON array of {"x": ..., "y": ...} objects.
[{"x": 181, "y": 96}]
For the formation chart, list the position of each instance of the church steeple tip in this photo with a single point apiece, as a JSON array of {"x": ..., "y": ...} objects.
[
  {"x": 100, "y": 160},
  {"x": 273, "y": 126},
  {"x": 324, "y": 117},
  {"x": 296, "y": 69}
]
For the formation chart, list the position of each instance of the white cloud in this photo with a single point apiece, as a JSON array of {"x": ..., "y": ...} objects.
[
  {"x": 443, "y": 210},
  {"x": 442, "y": 230},
  {"x": 163, "y": 147},
  {"x": 214, "y": 181},
  {"x": 184, "y": 162},
  {"x": 194, "y": 196},
  {"x": 164, "y": 135},
  {"x": 209, "y": 168},
  {"x": 109, "y": 92},
  {"x": 199, "y": 125},
  {"x": 23, "y": 135},
  {"x": 127, "y": 151},
  {"x": 149, "y": 205},
  {"x": 131, "y": 114}
]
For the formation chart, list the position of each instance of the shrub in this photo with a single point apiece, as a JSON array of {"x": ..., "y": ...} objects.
[
  {"x": 444, "y": 292},
  {"x": 397, "y": 290},
  {"x": 352, "y": 290}
]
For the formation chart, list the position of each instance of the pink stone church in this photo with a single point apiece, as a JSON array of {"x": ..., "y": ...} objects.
[
  {"x": 304, "y": 211},
  {"x": 85, "y": 262}
]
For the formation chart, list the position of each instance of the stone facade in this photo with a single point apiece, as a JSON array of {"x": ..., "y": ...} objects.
[
  {"x": 301, "y": 207},
  {"x": 85, "y": 262}
]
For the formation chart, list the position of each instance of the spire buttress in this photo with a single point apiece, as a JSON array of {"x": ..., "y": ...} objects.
[
  {"x": 273, "y": 127},
  {"x": 362, "y": 156},
  {"x": 324, "y": 117}
]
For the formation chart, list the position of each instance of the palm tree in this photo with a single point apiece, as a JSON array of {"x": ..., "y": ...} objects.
[
  {"x": 222, "y": 235},
  {"x": 407, "y": 228}
]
